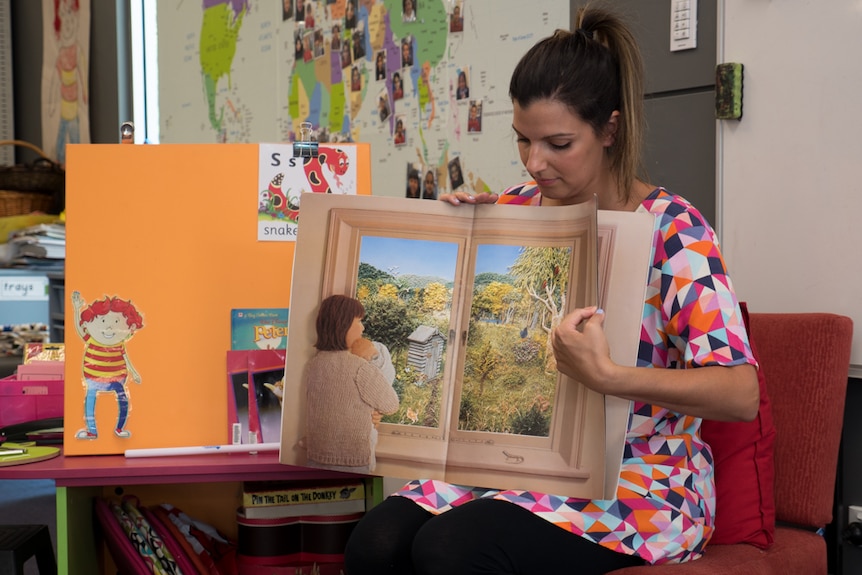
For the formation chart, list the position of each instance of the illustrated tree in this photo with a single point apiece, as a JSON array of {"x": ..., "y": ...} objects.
[
  {"x": 543, "y": 272},
  {"x": 435, "y": 297}
]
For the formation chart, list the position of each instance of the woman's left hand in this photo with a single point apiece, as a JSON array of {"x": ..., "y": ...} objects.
[{"x": 583, "y": 354}]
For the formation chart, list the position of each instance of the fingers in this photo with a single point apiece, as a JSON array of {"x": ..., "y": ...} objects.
[
  {"x": 458, "y": 198},
  {"x": 576, "y": 317}
]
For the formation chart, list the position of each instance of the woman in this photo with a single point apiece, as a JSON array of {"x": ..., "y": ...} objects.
[
  {"x": 397, "y": 86},
  {"x": 578, "y": 119},
  {"x": 343, "y": 390},
  {"x": 380, "y": 66},
  {"x": 463, "y": 90}
]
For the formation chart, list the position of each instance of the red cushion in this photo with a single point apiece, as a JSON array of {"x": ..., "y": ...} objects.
[{"x": 744, "y": 474}]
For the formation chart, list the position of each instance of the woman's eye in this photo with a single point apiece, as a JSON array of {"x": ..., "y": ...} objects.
[{"x": 561, "y": 146}]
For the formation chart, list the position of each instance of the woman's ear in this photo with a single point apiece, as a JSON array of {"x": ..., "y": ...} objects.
[{"x": 610, "y": 129}]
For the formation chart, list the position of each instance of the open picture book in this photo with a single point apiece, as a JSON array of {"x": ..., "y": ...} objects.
[{"x": 461, "y": 300}]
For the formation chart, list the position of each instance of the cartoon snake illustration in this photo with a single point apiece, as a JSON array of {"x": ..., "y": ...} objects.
[{"x": 337, "y": 161}]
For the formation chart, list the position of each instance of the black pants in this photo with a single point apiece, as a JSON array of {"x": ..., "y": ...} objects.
[{"x": 484, "y": 536}]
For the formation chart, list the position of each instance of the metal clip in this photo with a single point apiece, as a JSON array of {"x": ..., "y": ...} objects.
[{"x": 306, "y": 145}]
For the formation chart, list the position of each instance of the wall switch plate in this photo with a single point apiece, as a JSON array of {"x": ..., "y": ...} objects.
[{"x": 683, "y": 25}]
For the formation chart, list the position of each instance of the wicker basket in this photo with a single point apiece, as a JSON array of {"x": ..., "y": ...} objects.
[{"x": 39, "y": 186}]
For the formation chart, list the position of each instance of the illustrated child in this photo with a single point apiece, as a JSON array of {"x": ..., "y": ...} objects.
[
  {"x": 344, "y": 390},
  {"x": 105, "y": 326}
]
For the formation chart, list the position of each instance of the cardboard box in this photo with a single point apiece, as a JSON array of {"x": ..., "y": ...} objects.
[{"x": 29, "y": 400}]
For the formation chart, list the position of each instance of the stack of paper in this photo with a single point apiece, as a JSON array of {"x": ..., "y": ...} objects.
[{"x": 41, "y": 245}]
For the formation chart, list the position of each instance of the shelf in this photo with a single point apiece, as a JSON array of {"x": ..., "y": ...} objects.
[{"x": 99, "y": 470}]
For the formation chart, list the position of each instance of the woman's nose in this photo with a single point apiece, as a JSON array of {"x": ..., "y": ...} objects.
[{"x": 535, "y": 161}]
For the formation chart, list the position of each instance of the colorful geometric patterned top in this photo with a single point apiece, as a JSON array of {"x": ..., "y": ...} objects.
[{"x": 665, "y": 501}]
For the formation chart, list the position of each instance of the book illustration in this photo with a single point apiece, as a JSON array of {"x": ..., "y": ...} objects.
[
  {"x": 464, "y": 299},
  {"x": 105, "y": 326},
  {"x": 258, "y": 328},
  {"x": 255, "y": 380},
  {"x": 348, "y": 384},
  {"x": 283, "y": 178}
]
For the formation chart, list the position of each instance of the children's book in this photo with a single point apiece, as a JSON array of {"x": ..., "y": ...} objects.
[
  {"x": 463, "y": 299},
  {"x": 258, "y": 328},
  {"x": 255, "y": 380}
]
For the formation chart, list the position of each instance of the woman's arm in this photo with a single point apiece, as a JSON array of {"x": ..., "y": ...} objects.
[
  {"x": 375, "y": 390},
  {"x": 713, "y": 392}
]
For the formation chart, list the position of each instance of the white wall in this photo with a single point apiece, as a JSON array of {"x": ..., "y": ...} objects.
[{"x": 789, "y": 180}]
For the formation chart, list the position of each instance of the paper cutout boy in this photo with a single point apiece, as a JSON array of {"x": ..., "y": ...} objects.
[{"x": 105, "y": 326}]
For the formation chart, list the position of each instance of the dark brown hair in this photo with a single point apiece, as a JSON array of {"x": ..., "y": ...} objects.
[
  {"x": 594, "y": 71},
  {"x": 334, "y": 318}
]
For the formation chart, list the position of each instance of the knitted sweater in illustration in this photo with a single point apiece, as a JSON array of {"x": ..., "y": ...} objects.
[{"x": 342, "y": 389}]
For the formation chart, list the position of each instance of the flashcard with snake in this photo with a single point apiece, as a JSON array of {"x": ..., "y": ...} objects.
[{"x": 283, "y": 178}]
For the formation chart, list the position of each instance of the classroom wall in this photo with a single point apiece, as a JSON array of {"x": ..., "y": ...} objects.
[
  {"x": 110, "y": 84},
  {"x": 788, "y": 170}
]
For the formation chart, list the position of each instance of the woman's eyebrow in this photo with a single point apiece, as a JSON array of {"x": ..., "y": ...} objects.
[{"x": 549, "y": 136}]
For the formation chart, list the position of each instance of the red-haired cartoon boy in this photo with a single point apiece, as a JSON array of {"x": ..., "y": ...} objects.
[{"x": 105, "y": 326}]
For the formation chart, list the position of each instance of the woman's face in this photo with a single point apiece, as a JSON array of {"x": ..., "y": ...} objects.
[
  {"x": 354, "y": 332},
  {"x": 413, "y": 184},
  {"x": 563, "y": 153},
  {"x": 349, "y": 10},
  {"x": 462, "y": 80},
  {"x": 429, "y": 181},
  {"x": 408, "y": 6},
  {"x": 405, "y": 51}
]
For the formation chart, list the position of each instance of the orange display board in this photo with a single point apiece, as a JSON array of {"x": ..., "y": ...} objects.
[{"x": 167, "y": 235}]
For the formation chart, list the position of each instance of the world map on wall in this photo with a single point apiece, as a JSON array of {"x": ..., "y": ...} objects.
[{"x": 423, "y": 81}]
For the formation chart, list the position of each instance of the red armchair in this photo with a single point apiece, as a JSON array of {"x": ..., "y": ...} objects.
[{"x": 805, "y": 358}]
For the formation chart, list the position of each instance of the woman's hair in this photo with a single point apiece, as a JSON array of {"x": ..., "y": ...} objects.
[
  {"x": 595, "y": 70},
  {"x": 334, "y": 318}
]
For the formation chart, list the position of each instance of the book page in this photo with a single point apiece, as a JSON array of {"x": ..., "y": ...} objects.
[{"x": 464, "y": 299}]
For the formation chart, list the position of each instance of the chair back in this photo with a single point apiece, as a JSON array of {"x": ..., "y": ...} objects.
[{"x": 806, "y": 360}]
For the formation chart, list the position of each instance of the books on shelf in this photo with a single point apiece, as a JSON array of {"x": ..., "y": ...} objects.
[
  {"x": 304, "y": 510},
  {"x": 271, "y": 500},
  {"x": 278, "y": 493}
]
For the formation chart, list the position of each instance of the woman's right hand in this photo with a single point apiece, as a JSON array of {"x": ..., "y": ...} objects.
[{"x": 458, "y": 198}]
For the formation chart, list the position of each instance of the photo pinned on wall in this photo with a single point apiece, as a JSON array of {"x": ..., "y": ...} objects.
[
  {"x": 355, "y": 79},
  {"x": 408, "y": 10},
  {"x": 462, "y": 91},
  {"x": 407, "y": 51},
  {"x": 309, "y": 15},
  {"x": 346, "y": 52},
  {"x": 335, "y": 41},
  {"x": 297, "y": 42},
  {"x": 286, "y": 10},
  {"x": 397, "y": 86},
  {"x": 380, "y": 65},
  {"x": 300, "y": 12},
  {"x": 400, "y": 136},
  {"x": 429, "y": 184},
  {"x": 456, "y": 174},
  {"x": 350, "y": 15},
  {"x": 307, "y": 43},
  {"x": 383, "y": 108},
  {"x": 474, "y": 120},
  {"x": 358, "y": 44},
  {"x": 414, "y": 187},
  {"x": 456, "y": 18},
  {"x": 319, "y": 49}
]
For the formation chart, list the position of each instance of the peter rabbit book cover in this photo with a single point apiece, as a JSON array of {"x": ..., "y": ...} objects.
[
  {"x": 456, "y": 305},
  {"x": 163, "y": 242}
]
